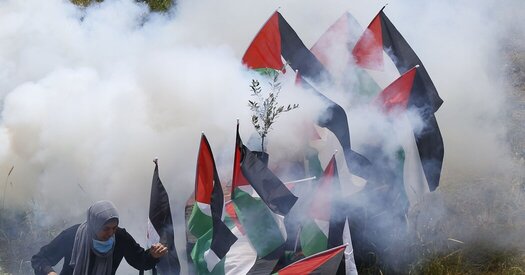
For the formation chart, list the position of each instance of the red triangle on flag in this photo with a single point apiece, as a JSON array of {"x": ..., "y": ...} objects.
[
  {"x": 397, "y": 94},
  {"x": 368, "y": 51},
  {"x": 265, "y": 49},
  {"x": 316, "y": 262},
  {"x": 204, "y": 178}
]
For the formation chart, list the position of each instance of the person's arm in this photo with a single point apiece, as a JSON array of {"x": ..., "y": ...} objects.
[
  {"x": 50, "y": 254},
  {"x": 135, "y": 255}
]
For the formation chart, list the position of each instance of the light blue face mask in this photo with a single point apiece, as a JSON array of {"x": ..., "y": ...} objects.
[{"x": 103, "y": 246}]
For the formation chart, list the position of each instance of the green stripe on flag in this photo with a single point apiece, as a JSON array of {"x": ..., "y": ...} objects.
[
  {"x": 314, "y": 164},
  {"x": 400, "y": 155},
  {"x": 258, "y": 222},
  {"x": 365, "y": 85},
  {"x": 267, "y": 71},
  {"x": 197, "y": 255},
  {"x": 403, "y": 201},
  {"x": 313, "y": 240},
  {"x": 228, "y": 221},
  {"x": 198, "y": 223}
]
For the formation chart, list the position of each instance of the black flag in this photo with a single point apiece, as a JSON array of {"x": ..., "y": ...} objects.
[{"x": 161, "y": 221}]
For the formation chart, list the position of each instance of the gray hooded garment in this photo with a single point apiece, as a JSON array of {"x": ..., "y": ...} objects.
[{"x": 98, "y": 214}]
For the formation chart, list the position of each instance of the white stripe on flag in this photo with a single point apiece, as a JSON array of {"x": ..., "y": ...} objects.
[
  {"x": 280, "y": 222},
  {"x": 326, "y": 146},
  {"x": 211, "y": 259},
  {"x": 324, "y": 226},
  {"x": 351, "y": 268},
  {"x": 416, "y": 185},
  {"x": 241, "y": 257},
  {"x": 152, "y": 237},
  {"x": 205, "y": 208},
  {"x": 250, "y": 191}
]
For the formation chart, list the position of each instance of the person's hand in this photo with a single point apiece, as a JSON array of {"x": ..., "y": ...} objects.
[
  {"x": 158, "y": 250},
  {"x": 52, "y": 273}
]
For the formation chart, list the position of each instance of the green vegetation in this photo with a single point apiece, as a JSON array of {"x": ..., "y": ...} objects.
[
  {"x": 159, "y": 5},
  {"x": 155, "y": 5},
  {"x": 84, "y": 3},
  {"x": 266, "y": 109}
]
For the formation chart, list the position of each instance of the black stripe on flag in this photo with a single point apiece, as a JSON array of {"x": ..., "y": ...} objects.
[
  {"x": 405, "y": 59},
  {"x": 298, "y": 55},
  {"x": 270, "y": 188},
  {"x": 222, "y": 238}
]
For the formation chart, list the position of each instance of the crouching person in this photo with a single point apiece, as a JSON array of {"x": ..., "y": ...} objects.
[{"x": 95, "y": 247}]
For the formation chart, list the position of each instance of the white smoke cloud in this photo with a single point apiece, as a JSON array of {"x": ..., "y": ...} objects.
[{"x": 90, "y": 96}]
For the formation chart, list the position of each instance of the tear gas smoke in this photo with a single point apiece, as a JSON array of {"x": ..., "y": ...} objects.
[{"x": 90, "y": 96}]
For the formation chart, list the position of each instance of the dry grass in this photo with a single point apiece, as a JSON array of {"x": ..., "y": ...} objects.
[
  {"x": 480, "y": 230},
  {"x": 466, "y": 227},
  {"x": 20, "y": 239},
  {"x": 475, "y": 259}
]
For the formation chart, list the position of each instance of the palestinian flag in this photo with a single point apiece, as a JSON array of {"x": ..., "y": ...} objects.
[
  {"x": 334, "y": 50},
  {"x": 422, "y": 148},
  {"x": 381, "y": 35},
  {"x": 242, "y": 255},
  {"x": 212, "y": 246},
  {"x": 238, "y": 260},
  {"x": 160, "y": 225},
  {"x": 327, "y": 225},
  {"x": 335, "y": 120},
  {"x": 326, "y": 262},
  {"x": 255, "y": 193},
  {"x": 248, "y": 169},
  {"x": 271, "y": 189},
  {"x": 200, "y": 220},
  {"x": 323, "y": 232},
  {"x": 275, "y": 39}
]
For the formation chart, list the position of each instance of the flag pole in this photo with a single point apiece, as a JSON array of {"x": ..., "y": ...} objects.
[
  {"x": 301, "y": 180},
  {"x": 154, "y": 269},
  {"x": 297, "y": 239}
]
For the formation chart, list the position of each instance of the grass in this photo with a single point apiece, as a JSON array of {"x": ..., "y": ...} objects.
[
  {"x": 20, "y": 239},
  {"x": 474, "y": 259},
  {"x": 465, "y": 227}
]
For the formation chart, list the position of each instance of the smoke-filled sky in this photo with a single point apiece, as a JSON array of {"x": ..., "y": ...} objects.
[{"x": 88, "y": 97}]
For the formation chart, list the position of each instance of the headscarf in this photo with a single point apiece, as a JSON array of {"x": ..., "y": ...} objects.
[{"x": 97, "y": 215}]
